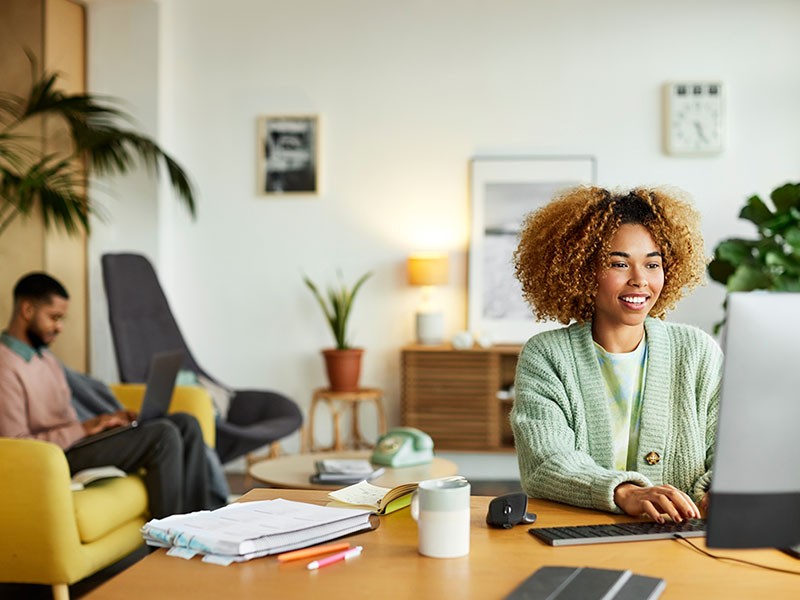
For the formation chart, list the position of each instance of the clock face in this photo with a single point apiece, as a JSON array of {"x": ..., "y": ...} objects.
[{"x": 694, "y": 118}]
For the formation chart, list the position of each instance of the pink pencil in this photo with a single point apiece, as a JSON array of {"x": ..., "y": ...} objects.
[{"x": 347, "y": 554}]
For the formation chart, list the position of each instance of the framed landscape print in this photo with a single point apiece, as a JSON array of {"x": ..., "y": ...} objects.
[
  {"x": 502, "y": 192},
  {"x": 288, "y": 161}
]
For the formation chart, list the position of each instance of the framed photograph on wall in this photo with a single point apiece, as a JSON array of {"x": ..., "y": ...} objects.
[
  {"x": 288, "y": 155},
  {"x": 502, "y": 192}
]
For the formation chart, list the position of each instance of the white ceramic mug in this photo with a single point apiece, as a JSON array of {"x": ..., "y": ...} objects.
[{"x": 441, "y": 509}]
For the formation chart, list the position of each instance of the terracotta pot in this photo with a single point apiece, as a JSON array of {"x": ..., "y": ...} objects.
[{"x": 344, "y": 368}]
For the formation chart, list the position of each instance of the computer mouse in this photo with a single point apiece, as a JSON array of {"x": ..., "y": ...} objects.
[{"x": 508, "y": 510}]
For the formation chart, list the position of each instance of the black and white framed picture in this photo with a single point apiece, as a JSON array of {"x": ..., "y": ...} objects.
[
  {"x": 288, "y": 161},
  {"x": 502, "y": 192}
]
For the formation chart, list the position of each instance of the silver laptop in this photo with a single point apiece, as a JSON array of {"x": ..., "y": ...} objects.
[{"x": 161, "y": 378}]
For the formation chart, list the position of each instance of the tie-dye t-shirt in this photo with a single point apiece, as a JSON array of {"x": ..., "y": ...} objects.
[{"x": 623, "y": 374}]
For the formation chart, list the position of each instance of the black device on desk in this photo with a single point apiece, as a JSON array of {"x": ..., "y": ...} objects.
[
  {"x": 509, "y": 510},
  {"x": 755, "y": 491}
]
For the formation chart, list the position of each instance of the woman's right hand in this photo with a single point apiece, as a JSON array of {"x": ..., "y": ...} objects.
[{"x": 655, "y": 501}]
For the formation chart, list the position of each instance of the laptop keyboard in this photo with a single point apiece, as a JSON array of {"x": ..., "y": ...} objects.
[{"x": 618, "y": 532}]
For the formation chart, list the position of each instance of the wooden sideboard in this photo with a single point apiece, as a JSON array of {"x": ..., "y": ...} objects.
[{"x": 459, "y": 397}]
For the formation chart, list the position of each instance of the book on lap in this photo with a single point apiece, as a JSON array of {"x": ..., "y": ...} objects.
[{"x": 83, "y": 478}]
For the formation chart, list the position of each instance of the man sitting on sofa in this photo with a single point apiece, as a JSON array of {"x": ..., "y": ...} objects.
[
  {"x": 91, "y": 398},
  {"x": 35, "y": 402}
]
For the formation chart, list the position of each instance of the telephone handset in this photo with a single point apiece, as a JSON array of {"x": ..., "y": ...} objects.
[{"x": 403, "y": 447}]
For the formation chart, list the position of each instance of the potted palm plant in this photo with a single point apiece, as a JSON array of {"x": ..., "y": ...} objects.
[
  {"x": 342, "y": 363},
  {"x": 55, "y": 181},
  {"x": 772, "y": 260}
]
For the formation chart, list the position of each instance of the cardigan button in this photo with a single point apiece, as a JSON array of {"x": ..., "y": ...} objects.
[{"x": 652, "y": 458}]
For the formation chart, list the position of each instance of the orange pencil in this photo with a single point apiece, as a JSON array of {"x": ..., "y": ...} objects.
[{"x": 313, "y": 551}]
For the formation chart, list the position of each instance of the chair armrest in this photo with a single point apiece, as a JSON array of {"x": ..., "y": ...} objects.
[
  {"x": 40, "y": 537},
  {"x": 191, "y": 399}
]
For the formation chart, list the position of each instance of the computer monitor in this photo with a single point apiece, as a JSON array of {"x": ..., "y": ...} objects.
[{"x": 755, "y": 488}]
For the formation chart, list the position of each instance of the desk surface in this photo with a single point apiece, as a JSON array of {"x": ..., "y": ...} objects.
[
  {"x": 499, "y": 560},
  {"x": 293, "y": 470}
]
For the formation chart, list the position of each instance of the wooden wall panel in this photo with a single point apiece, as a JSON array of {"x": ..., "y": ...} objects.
[
  {"x": 65, "y": 256},
  {"x": 22, "y": 244},
  {"x": 54, "y": 31}
]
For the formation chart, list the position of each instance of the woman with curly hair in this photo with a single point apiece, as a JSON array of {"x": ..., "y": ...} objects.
[{"x": 618, "y": 410}]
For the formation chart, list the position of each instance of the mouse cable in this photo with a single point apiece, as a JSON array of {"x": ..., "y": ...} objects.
[{"x": 679, "y": 537}]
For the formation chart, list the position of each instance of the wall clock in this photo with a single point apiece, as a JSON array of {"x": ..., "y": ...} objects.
[{"x": 693, "y": 118}]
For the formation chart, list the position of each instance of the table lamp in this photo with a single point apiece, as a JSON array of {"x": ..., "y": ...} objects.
[{"x": 428, "y": 269}]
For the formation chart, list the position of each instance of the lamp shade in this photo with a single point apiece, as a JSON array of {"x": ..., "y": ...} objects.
[{"x": 427, "y": 268}]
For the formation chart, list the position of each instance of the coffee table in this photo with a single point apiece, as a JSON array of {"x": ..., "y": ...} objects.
[{"x": 293, "y": 470}]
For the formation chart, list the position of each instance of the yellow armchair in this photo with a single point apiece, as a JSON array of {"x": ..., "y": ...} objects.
[{"x": 54, "y": 536}]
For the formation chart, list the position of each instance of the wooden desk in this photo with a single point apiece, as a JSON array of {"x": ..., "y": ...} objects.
[
  {"x": 499, "y": 560},
  {"x": 293, "y": 471}
]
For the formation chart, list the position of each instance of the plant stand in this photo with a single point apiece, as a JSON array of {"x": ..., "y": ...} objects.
[{"x": 338, "y": 404}]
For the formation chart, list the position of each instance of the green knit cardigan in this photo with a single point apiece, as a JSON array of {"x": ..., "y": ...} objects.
[{"x": 561, "y": 419}]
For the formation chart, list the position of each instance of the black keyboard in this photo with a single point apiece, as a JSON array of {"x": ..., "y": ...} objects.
[{"x": 618, "y": 532}]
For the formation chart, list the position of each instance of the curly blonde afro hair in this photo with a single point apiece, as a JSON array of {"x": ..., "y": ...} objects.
[{"x": 563, "y": 244}]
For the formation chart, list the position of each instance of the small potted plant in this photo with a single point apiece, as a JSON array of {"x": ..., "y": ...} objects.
[
  {"x": 343, "y": 363},
  {"x": 772, "y": 260}
]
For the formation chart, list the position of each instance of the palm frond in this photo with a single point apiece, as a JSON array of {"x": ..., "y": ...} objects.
[
  {"x": 17, "y": 151},
  {"x": 94, "y": 125},
  {"x": 56, "y": 183},
  {"x": 9, "y": 108},
  {"x": 111, "y": 150},
  {"x": 65, "y": 209}
]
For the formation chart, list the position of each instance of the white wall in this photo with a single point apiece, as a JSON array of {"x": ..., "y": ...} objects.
[
  {"x": 407, "y": 93},
  {"x": 123, "y": 62}
]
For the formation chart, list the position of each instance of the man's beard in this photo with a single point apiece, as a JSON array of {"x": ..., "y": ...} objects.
[{"x": 36, "y": 341}]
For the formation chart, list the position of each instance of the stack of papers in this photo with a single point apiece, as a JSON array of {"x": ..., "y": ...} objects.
[
  {"x": 345, "y": 470},
  {"x": 246, "y": 530}
]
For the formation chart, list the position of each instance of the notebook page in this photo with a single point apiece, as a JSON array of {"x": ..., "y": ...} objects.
[{"x": 360, "y": 494}]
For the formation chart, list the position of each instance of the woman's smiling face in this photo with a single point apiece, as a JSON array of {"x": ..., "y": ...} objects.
[{"x": 630, "y": 279}]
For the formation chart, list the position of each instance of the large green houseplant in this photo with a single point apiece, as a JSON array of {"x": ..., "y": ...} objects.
[
  {"x": 343, "y": 363},
  {"x": 772, "y": 260},
  {"x": 55, "y": 180}
]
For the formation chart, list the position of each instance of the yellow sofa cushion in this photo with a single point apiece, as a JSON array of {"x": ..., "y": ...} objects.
[{"x": 107, "y": 504}]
